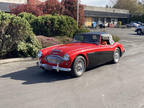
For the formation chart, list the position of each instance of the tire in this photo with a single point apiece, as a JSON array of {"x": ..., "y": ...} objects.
[
  {"x": 78, "y": 67},
  {"x": 139, "y": 32},
  {"x": 116, "y": 56}
]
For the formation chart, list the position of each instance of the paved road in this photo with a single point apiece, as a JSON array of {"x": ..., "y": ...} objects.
[{"x": 22, "y": 85}]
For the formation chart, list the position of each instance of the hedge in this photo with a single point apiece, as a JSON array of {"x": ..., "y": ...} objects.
[
  {"x": 83, "y": 30},
  {"x": 28, "y": 16},
  {"x": 15, "y": 36},
  {"x": 53, "y": 25}
]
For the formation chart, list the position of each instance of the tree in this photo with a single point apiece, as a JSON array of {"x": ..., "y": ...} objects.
[
  {"x": 27, "y": 8},
  {"x": 71, "y": 10},
  {"x": 142, "y": 1},
  {"x": 132, "y": 5},
  {"x": 34, "y": 2},
  {"x": 52, "y": 7},
  {"x": 30, "y": 7}
]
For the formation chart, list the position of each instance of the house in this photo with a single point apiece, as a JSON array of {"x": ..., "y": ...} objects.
[{"x": 105, "y": 15}]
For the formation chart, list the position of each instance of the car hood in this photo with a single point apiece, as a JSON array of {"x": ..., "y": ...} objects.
[{"x": 72, "y": 47}]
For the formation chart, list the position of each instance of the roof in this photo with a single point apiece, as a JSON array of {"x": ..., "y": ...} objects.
[
  {"x": 93, "y": 11},
  {"x": 103, "y": 9},
  {"x": 106, "y": 14}
]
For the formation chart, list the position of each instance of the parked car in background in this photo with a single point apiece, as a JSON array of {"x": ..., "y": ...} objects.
[
  {"x": 133, "y": 24},
  {"x": 140, "y": 30},
  {"x": 94, "y": 24},
  {"x": 106, "y": 24},
  {"x": 102, "y": 25},
  {"x": 86, "y": 51},
  {"x": 140, "y": 23}
]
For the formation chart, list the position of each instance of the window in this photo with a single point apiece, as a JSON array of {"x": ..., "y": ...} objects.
[{"x": 87, "y": 38}]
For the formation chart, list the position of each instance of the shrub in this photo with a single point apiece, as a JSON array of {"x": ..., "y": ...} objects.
[
  {"x": 47, "y": 41},
  {"x": 49, "y": 25},
  {"x": 116, "y": 38},
  {"x": 64, "y": 39},
  {"x": 29, "y": 47},
  {"x": 28, "y": 16},
  {"x": 13, "y": 31},
  {"x": 83, "y": 30}
]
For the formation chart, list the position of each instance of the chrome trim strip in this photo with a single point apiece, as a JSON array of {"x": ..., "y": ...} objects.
[{"x": 61, "y": 69}]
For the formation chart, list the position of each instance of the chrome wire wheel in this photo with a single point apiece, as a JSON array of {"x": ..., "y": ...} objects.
[
  {"x": 116, "y": 55},
  {"x": 79, "y": 66}
]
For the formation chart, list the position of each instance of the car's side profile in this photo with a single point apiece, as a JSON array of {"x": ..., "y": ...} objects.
[{"x": 86, "y": 50}]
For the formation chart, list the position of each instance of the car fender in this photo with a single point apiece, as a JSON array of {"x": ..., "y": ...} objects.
[
  {"x": 76, "y": 54},
  {"x": 120, "y": 46}
]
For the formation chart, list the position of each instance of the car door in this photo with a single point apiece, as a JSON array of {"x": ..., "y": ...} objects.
[
  {"x": 100, "y": 54},
  {"x": 94, "y": 56},
  {"x": 107, "y": 53}
]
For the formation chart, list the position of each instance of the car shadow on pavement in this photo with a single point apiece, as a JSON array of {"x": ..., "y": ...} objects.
[{"x": 33, "y": 75}]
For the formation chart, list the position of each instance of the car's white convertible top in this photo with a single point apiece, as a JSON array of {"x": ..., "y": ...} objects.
[{"x": 108, "y": 37}]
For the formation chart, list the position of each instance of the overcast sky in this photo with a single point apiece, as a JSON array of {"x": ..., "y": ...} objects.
[
  {"x": 95, "y": 2},
  {"x": 98, "y": 3}
]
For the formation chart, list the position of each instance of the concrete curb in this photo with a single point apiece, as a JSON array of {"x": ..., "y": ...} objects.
[{"x": 16, "y": 60}]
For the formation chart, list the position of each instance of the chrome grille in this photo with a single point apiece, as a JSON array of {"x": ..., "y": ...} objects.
[{"x": 54, "y": 59}]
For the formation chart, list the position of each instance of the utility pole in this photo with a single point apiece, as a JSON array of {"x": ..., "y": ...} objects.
[{"x": 77, "y": 12}]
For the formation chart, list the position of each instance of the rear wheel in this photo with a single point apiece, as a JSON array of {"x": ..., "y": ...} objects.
[
  {"x": 139, "y": 32},
  {"x": 116, "y": 56},
  {"x": 79, "y": 66}
]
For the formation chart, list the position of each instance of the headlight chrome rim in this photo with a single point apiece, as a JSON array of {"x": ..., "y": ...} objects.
[{"x": 66, "y": 57}]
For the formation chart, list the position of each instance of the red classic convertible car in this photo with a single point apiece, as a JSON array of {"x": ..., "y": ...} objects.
[{"x": 87, "y": 50}]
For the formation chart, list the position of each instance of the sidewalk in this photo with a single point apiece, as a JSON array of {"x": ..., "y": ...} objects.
[{"x": 4, "y": 61}]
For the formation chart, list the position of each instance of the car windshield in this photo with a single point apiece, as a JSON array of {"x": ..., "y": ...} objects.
[{"x": 87, "y": 38}]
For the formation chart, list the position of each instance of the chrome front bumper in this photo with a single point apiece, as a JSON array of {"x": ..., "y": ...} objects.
[{"x": 49, "y": 67}]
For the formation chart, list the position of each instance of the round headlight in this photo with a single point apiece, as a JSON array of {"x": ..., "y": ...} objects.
[
  {"x": 66, "y": 57},
  {"x": 39, "y": 54}
]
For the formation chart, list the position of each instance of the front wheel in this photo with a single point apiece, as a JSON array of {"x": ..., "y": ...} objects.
[
  {"x": 116, "y": 56},
  {"x": 79, "y": 66}
]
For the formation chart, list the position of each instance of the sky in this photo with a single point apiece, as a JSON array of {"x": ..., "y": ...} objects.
[{"x": 98, "y": 3}]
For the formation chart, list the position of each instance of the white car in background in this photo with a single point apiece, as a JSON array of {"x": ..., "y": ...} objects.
[
  {"x": 140, "y": 30},
  {"x": 106, "y": 24},
  {"x": 133, "y": 24}
]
